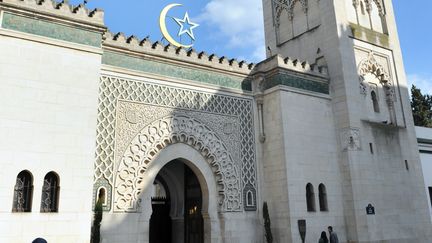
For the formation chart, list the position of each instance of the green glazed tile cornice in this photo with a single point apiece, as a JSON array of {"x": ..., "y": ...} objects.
[
  {"x": 170, "y": 70},
  {"x": 51, "y": 30},
  {"x": 296, "y": 82}
]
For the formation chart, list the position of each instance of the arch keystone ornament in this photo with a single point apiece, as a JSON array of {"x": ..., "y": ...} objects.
[{"x": 171, "y": 130}]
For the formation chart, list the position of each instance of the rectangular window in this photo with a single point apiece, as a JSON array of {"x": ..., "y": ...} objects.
[{"x": 430, "y": 195}]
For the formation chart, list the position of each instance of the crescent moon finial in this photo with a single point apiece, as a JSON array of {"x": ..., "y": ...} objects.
[{"x": 163, "y": 27}]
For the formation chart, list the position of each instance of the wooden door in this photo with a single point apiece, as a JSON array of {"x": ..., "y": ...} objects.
[{"x": 194, "y": 229}]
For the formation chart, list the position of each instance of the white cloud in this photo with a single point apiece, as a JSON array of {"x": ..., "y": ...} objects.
[
  {"x": 424, "y": 83},
  {"x": 240, "y": 21}
]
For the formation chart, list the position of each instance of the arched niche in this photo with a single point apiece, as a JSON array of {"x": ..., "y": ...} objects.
[
  {"x": 299, "y": 11},
  {"x": 374, "y": 77}
]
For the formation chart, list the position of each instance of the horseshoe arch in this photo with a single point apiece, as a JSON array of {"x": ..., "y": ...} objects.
[{"x": 171, "y": 130}]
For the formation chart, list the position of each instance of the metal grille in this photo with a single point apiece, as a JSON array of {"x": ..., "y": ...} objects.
[
  {"x": 23, "y": 192},
  {"x": 50, "y": 191}
]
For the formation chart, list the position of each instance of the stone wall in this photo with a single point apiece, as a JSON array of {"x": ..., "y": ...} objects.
[
  {"x": 424, "y": 138},
  {"x": 363, "y": 59},
  {"x": 49, "y": 71}
]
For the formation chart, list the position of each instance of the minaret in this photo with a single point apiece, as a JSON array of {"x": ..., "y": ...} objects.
[{"x": 359, "y": 139}]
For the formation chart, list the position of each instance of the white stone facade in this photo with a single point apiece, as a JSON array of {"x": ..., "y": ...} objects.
[
  {"x": 338, "y": 122},
  {"x": 49, "y": 101},
  {"x": 374, "y": 136},
  {"x": 424, "y": 139}
]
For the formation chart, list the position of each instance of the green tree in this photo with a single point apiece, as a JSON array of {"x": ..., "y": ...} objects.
[
  {"x": 95, "y": 232},
  {"x": 421, "y": 108},
  {"x": 267, "y": 228}
]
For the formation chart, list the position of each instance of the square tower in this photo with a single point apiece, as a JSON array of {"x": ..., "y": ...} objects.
[{"x": 375, "y": 144}]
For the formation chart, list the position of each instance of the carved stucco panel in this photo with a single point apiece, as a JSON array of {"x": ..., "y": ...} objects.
[
  {"x": 231, "y": 117},
  {"x": 377, "y": 65},
  {"x": 226, "y": 127},
  {"x": 350, "y": 139},
  {"x": 287, "y": 5},
  {"x": 170, "y": 130}
]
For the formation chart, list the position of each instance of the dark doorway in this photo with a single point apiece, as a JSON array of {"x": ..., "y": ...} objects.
[
  {"x": 189, "y": 200},
  {"x": 160, "y": 221},
  {"x": 193, "y": 206}
]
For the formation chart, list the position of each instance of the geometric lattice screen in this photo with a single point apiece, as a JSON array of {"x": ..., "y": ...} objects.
[{"x": 113, "y": 89}]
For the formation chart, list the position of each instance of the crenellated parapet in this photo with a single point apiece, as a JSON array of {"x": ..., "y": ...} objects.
[
  {"x": 119, "y": 42},
  {"x": 65, "y": 24},
  {"x": 291, "y": 64},
  {"x": 62, "y": 9},
  {"x": 167, "y": 60},
  {"x": 289, "y": 72}
]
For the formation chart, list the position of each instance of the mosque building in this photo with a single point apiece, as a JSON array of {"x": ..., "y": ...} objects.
[{"x": 182, "y": 146}]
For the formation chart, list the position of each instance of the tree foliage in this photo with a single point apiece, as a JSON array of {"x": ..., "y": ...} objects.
[
  {"x": 98, "y": 212},
  {"x": 421, "y": 106},
  {"x": 267, "y": 224}
]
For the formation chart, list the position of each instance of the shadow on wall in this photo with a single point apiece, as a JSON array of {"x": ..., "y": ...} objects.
[
  {"x": 385, "y": 125},
  {"x": 212, "y": 132},
  {"x": 155, "y": 122}
]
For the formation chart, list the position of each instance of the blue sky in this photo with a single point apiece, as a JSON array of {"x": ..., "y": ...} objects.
[
  {"x": 414, "y": 20},
  {"x": 234, "y": 28}
]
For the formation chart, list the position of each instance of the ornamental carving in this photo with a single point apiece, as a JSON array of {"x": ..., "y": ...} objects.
[
  {"x": 371, "y": 66},
  {"x": 350, "y": 139},
  {"x": 128, "y": 105},
  {"x": 304, "y": 4},
  {"x": 170, "y": 130},
  {"x": 380, "y": 7},
  {"x": 287, "y": 5},
  {"x": 368, "y": 5},
  {"x": 278, "y": 7}
]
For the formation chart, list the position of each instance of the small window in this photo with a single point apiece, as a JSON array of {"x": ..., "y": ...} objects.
[
  {"x": 375, "y": 101},
  {"x": 250, "y": 199},
  {"x": 323, "y": 198},
  {"x": 430, "y": 195},
  {"x": 101, "y": 196},
  {"x": 50, "y": 193},
  {"x": 23, "y": 192},
  {"x": 310, "y": 198}
]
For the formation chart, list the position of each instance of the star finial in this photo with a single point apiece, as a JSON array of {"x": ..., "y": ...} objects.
[{"x": 190, "y": 26}]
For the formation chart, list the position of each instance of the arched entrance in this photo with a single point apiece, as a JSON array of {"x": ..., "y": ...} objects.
[
  {"x": 140, "y": 155},
  {"x": 212, "y": 192},
  {"x": 177, "y": 205}
]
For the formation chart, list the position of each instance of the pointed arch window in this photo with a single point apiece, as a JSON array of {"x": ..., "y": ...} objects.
[
  {"x": 375, "y": 101},
  {"x": 250, "y": 199},
  {"x": 323, "y": 198},
  {"x": 101, "y": 196},
  {"x": 310, "y": 198},
  {"x": 362, "y": 8},
  {"x": 23, "y": 192},
  {"x": 50, "y": 193}
]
